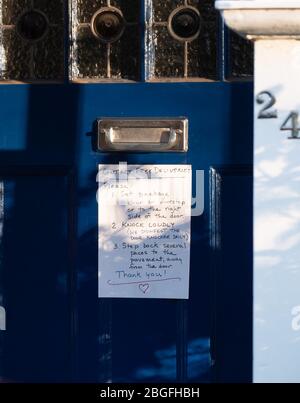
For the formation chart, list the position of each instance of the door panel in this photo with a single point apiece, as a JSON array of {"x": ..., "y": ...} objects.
[
  {"x": 57, "y": 328},
  {"x": 35, "y": 274},
  {"x": 231, "y": 214},
  {"x": 142, "y": 345}
]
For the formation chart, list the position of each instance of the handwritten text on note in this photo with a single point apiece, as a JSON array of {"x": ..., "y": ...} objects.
[{"x": 144, "y": 231}]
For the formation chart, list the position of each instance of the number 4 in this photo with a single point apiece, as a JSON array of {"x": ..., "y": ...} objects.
[{"x": 294, "y": 125}]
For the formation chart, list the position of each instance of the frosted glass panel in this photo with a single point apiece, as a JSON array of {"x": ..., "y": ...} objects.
[
  {"x": 105, "y": 40},
  {"x": 241, "y": 57},
  {"x": 181, "y": 39},
  {"x": 31, "y": 40}
]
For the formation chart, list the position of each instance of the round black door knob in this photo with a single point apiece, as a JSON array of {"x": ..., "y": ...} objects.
[
  {"x": 108, "y": 24},
  {"x": 32, "y": 25},
  {"x": 185, "y": 23}
]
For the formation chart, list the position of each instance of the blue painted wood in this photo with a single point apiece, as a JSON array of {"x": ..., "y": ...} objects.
[
  {"x": 232, "y": 261},
  {"x": 57, "y": 328}
]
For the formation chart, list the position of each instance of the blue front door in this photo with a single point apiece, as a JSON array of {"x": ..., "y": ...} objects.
[{"x": 121, "y": 59}]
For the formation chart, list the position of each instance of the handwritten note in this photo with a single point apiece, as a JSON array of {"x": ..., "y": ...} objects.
[{"x": 144, "y": 231}]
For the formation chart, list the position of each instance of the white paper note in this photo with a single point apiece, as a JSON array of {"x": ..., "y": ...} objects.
[{"x": 144, "y": 231}]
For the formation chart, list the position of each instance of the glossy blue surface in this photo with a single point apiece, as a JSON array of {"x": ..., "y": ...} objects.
[{"x": 57, "y": 328}]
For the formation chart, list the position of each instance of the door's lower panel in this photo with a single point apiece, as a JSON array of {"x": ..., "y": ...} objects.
[
  {"x": 35, "y": 274},
  {"x": 231, "y": 204}
]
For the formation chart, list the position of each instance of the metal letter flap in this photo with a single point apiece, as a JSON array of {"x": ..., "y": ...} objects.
[{"x": 143, "y": 135}]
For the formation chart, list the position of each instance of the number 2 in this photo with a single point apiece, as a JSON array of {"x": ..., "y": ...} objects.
[{"x": 268, "y": 100}]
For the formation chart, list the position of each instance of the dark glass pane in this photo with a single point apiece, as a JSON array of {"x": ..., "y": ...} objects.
[
  {"x": 32, "y": 46},
  {"x": 123, "y": 66},
  {"x": 16, "y": 61},
  {"x": 52, "y": 8},
  {"x": 169, "y": 54},
  {"x": 83, "y": 10},
  {"x": 91, "y": 56},
  {"x": 11, "y": 9},
  {"x": 202, "y": 55},
  {"x": 241, "y": 57},
  {"x": 95, "y": 56},
  {"x": 51, "y": 66},
  {"x": 32, "y": 25},
  {"x": 163, "y": 8},
  {"x": 130, "y": 9},
  {"x": 176, "y": 48}
]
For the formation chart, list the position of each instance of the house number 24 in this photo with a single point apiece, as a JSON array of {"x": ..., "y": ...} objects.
[{"x": 291, "y": 123}]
